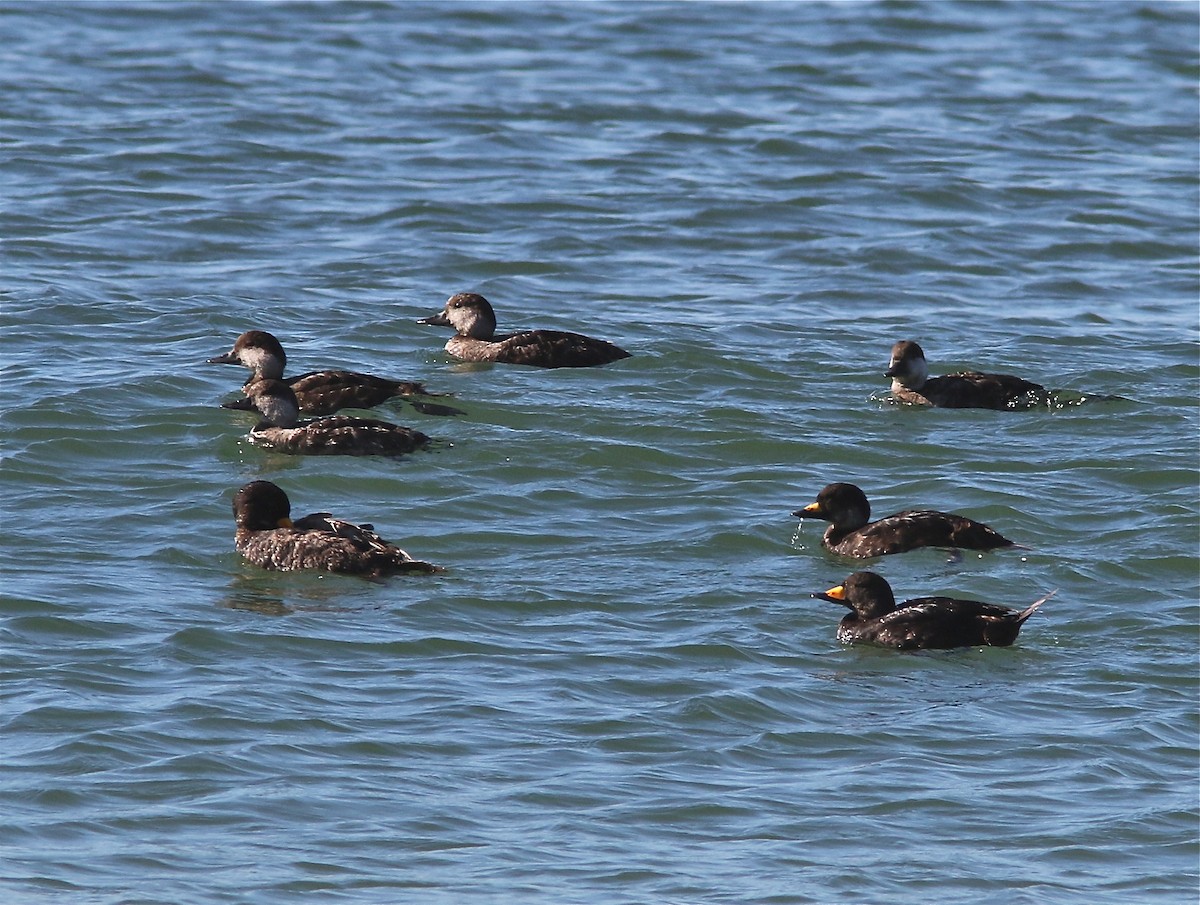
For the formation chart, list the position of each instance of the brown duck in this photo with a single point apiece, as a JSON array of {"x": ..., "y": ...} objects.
[
  {"x": 475, "y": 339},
  {"x": 912, "y": 384},
  {"x": 321, "y": 392},
  {"x": 267, "y": 537},
  {"x": 338, "y": 435}
]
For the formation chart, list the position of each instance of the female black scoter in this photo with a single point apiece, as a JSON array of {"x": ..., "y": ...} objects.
[
  {"x": 471, "y": 315},
  {"x": 321, "y": 392},
  {"x": 337, "y": 435},
  {"x": 852, "y": 533},
  {"x": 267, "y": 537},
  {"x": 912, "y": 384},
  {"x": 924, "y": 622}
]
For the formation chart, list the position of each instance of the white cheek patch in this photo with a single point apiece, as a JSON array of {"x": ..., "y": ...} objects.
[
  {"x": 913, "y": 373},
  {"x": 257, "y": 359}
]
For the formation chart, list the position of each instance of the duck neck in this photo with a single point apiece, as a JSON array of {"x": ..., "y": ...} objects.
[
  {"x": 912, "y": 377},
  {"x": 277, "y": 412}
]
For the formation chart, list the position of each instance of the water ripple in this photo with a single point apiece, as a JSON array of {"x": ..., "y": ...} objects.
[{"x": 621, "y": 689}]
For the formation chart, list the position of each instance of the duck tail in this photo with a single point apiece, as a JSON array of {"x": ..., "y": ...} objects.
[{"x": 1032, "y": 608}]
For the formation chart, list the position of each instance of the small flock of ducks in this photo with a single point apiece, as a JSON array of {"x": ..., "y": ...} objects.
[{"x": 268, "y": 537}]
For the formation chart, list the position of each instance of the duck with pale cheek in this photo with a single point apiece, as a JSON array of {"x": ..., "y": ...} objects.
[
  {"x": 923, "y": 622},
  {"x": 475, "y": 339},
  {"x": 911, "y": 384},
  {"x": 321, "y": 392},
  {"x": 268, "y": 537},
  {"x": 852, "y": 533},
  {"x": 338, "y": 435}
]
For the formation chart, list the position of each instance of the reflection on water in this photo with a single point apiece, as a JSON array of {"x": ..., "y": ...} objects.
[{"x": 282, "y": 594}]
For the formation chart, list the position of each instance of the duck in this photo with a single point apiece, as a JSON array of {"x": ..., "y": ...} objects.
[
  {"x": 268, "y": 537},
  {"x": 912, "y": 385},
  {"x": 852, "y": 533},
  {"x": 471, "y": 315},
  {"x": 934, "y": 623},
  {"x": 336, "y": 435},
  {"x": 321, "y": 392}
]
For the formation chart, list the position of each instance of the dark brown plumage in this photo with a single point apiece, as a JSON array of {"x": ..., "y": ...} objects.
[
  {"x": 852, "y": 533},
  {"x": 337, "y": 435},
  {"x": 320, "y": 392},
  {"x": 474, "y": 321},
  {"x": 267, "y": 537},
  {"x": 923, "y": 622},
  {"x": 912, "y": 384}
]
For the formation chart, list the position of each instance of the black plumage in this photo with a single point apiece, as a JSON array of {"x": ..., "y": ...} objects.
[
  {"x": 923, "y": 622},
  {"x": 852, "y": 533}
]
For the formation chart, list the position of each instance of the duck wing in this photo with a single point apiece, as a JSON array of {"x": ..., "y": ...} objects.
[
  {"x": 972, "y": 389},
  {"x": 329, "y": 545},
  {"x": 917, "y": 528},
  {"x": 341, "y": 435},
  {"x": 325, "y": 392},
  {"x": 557, "y": 349},
  {"x": 945, "y": 622}
]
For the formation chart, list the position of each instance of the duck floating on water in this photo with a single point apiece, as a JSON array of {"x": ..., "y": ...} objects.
[
  {"x": 267, "y": 537},
  {"x": 321, "y": 392},
  {"x": 923, "y": 622},
  {"x": 852, "y": 533},
  {"x": 911, "y": 384},
  {"x": 474, "y": 321},
  {"x": 337, "y": 435}
]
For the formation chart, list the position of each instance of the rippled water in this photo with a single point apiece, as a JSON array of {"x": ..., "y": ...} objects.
[{"x": 620, "y": 691}]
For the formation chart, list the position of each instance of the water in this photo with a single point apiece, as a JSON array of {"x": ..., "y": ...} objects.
[{"x": 620, "y": 692}]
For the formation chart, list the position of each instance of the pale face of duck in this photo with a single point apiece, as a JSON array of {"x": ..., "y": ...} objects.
[
  {"x": 469, "y": 313},
  {"x": 275, "y": 401},
  {"x": 908, "y": 368},
  {"x": 257, "y": 350}
]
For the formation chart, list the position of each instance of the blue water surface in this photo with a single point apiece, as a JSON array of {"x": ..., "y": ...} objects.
[{"x": 621, "y": 690}]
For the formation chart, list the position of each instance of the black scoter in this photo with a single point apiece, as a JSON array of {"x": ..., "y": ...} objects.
[
  {"x": 321, "y": 392},
  {"x": 267, "y": 537},
  {"x": 924, "y": 622},
  {"x": 474, "y": 321},
  {"x": 852, "y": 533},
  {"x": 912, "y": 384},
  {"x": 337, "y": 435}
]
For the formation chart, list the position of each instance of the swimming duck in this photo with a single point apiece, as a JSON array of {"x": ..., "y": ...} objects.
[
  {"x": 924, "y": 622},
  {"x": 337, "y": 435},
  {"x": 471, "y": 315},
  {"x": 912, "y": 384},
  {"x": 852, "y": 533},
  {"x": 321, "y": 392},
  {"x": 267, "y": 537}
]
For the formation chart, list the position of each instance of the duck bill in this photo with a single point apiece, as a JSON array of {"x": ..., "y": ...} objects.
[
  {"x": 436, "y": 320},
  {"x": 893, "y": 371},
  {"x": 226, "y": 359},
  {"x": 833, "y": 595},
  {"x": 812, "y": 510},
  {"x": 241, "y": 405}
]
